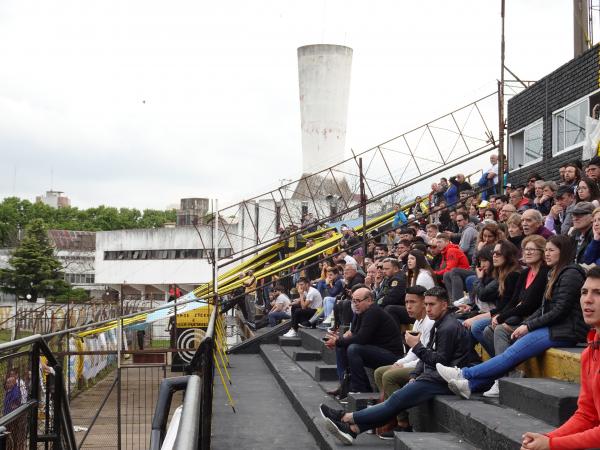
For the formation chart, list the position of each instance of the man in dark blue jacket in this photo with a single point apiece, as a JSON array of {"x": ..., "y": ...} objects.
[{"x": 449, "y": 341}]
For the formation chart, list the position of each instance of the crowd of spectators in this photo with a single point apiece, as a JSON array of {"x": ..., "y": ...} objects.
[{"x": 460, "y": 267}]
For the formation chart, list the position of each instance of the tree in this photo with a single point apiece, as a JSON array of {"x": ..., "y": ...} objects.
[{"x": 34, "y": 268}]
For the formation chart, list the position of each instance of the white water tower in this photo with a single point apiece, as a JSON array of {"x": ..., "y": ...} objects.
[{"x": 324, "y": 76}]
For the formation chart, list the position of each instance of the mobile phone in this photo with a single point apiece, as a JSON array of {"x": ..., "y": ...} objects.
[
  {"x": 324, "y": 338},
  {"x": 413, "y": 333}
]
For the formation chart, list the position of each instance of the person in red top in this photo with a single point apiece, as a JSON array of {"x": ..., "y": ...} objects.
[
  {"x": 452, "y": 255},
  {"x": 582, "y": 430}
]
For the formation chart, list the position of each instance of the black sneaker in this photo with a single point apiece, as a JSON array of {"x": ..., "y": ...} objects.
[
  {"x": 342, "y": 431},
  {"x": 330, "y": 413}
]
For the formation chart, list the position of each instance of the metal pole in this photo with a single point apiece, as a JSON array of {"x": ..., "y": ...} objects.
[
  {"x": 215, "y": 242},
  {"x": 501, "y": 155},
  {"x": 119, "y": 346},
  {"x": 363, "y": 204}
]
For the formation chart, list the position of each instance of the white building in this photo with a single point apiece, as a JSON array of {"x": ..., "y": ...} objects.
[
  {"x": 143, "y": 263},
  {"x": 55, "y": 199}
]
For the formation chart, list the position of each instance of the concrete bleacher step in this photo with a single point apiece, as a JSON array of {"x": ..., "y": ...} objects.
[
  {"x": 312, "y": 339},
  {"x": 302, "y": 392},
  {"x": 360, "y": 400},
  {"x": 552, "y": 401},
  {"x": 290, "y": 341},
  {"x": 306, "y": 355},
  {"x": 483, "y": 424},
  {"x": 326, "y": 372},
  {"x": 429, "y": 441}
]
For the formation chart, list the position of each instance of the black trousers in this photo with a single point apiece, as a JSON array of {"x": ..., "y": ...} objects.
[
  {"x": 342, "y": 312},
  {"x": 300, "y": 315}
]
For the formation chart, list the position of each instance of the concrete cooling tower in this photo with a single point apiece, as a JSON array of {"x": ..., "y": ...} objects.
[{"x": 324, "y": 76}]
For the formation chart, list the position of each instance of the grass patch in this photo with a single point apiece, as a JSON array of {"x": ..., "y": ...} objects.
[{"x": 6, "y": 335}]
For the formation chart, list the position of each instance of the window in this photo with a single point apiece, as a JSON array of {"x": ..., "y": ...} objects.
[
  {"x": 568, "y": 128},
  {"x": 191, "y": 253},
  {"x": 526, "y": 146}
]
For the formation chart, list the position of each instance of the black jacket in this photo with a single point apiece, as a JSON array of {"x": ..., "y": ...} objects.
[
  {"x": 460, "y": 187},
  {"x": 587, "y": 238},
  {"x": 357, "y": 279},
  {"x": 525, "y": 300},
  {"x": 486, "y": 289},
  {"x": 449, "y": 344},
  {"x": 375, "y": 327},
  {"x": 394, "y": 291},
  {"x": 562, "y": 313},
  {"x": 509, "y": 288}
]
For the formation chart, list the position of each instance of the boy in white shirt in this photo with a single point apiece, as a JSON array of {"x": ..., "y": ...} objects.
[{"x": 391, "y": 378}]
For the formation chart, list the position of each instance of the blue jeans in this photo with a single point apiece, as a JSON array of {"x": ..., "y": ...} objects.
[
  {"x": 532, "y": 344},
  {"x": 477, "y": 333},
  {"x": 328, "y": 304},
  {"x": 276, "y": 316},
  {"x": 412, "y": 394},
  {"x": 356, "y": 357},
  {"x": 469, "y": 282}
]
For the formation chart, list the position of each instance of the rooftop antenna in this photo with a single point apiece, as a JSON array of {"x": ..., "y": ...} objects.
[{"x": 52, "y": 178}]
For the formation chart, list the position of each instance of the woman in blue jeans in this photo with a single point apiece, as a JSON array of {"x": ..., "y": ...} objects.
[
  {"x": 558, "y": 322},
  {"x": 506, "y": 272}
]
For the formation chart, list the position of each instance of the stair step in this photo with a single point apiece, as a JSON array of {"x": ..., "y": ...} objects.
[
  {"x": 290, "y": 341},
  {"x": 428, "y": 441},
  {"x": 360, "y": 400},
  {"x": 485, "y": 425},
  {"x": 306, "y": 355},
  {"x": 299, "y": 387},
  {"x": 552, "y": 401},
  {"x": 312, "y": 339},
  {"x": 262, "y": 336},
  {"x": 326, "y": 372}
]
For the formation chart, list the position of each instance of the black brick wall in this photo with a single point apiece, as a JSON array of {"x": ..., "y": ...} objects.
[{"x": 574, "y": 80}]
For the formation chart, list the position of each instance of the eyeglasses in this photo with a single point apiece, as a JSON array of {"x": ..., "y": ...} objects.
[
  {"x": 533, "y": 180},
  {"x": 358, "y": 300},
  {"x": 379, "y": 267},
  {"x": 496, "y": 253},
  {"x": 532, "y": 250}
]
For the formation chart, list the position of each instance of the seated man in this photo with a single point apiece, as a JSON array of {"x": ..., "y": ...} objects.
[
  {"x": 449, "y": 342},
  {"x": 391, "y": 378},
  {"x": 305, "y": 306},
  {"x": 279, "y": 309},
  {"x": 582, "y": 430},
  {"x": 342, "y": 310},
  {"x": 391, "y": 296},
  {"x": 374, "y": 341}
]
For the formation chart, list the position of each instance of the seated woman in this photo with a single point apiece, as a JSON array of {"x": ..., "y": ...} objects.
[
  {"x": 558, "y": 322},
  {"x": 419, "y": 272},
  {"x": 588, "y": 191},
  {"x": 515, "y": 230},
  {"x": 482, "y": 288},
  {"x": 592, "y": 251},
  {"x": 527, "y": 297},
  {"x": 506, "y": 272}
]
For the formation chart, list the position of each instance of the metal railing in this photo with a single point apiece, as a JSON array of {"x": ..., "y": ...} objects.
[
  {"x": 35, "y": 403},
  {"x": 194, "y": 429}
]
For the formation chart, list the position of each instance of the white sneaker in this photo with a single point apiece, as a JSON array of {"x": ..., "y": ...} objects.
[
  {"x": 460, "y": 388},
  {"x": 462, "y": 301},
  {"x": 291, "y": 333},
  {"x": 494, "y": 391},
  {"x": 449, "y": 373}
]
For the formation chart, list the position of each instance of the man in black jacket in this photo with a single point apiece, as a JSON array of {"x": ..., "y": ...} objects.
[
  {"x": 449, "y": 341},
  {"x": 393, "y": 292},
  {"x": 342, "y": 310},
  {"x": 374, "y": 341}
]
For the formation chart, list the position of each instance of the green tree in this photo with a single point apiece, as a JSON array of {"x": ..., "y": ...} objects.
[{"x": 34, "y": 268}]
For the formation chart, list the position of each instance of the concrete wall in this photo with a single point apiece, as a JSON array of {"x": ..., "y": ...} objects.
[
  {"x": 574, "y": 80},
  {"x": 324, "y": 76}
]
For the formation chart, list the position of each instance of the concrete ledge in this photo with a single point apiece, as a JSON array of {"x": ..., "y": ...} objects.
[
  {"x": 360, "y": 400},
  {"x": 552, "y": 401},
  {"x": 486, "y": 426},
  {"x": 252, "y": 345},
  {"x": 290, "y": 341},
  {"x": 326, "y": 372},
  {"x": 429, "y": 441},
  {"x": 306, "y": 355}
]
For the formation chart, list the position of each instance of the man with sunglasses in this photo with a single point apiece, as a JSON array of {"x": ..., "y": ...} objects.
[{"x": 374, "y": 341}]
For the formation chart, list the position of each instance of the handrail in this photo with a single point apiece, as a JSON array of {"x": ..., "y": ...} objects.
[
  {"x": 167, "y": 388},
  {"x": 189, "y": 433}
]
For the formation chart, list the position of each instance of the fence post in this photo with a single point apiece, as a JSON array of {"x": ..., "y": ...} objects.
[
  {"x": 207, "y": 395},
  {"x": 3, "y": 436},
  {"x": 35, "y": 394}
]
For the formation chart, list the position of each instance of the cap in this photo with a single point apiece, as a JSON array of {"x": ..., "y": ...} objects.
[
  {"x": 583, "y": 208},
  {"x": 484, "y": 204},
  {"x": 508, "y": 185},
  {"x": 564, "y": 189}
]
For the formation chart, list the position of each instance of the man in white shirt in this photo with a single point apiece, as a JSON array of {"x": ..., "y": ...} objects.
[
  {"x": 281, "y": 306},
  {"x": 391, "y": 378},
  {"x": 305, "y": 306},
  {"x": 490, "y": 177}
]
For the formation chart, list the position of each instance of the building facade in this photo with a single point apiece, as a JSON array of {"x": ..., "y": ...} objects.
[{"x": 546, "y": 123}]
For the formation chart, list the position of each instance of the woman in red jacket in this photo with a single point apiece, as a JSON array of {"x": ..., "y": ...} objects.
[{"x": 582, "y": 430}]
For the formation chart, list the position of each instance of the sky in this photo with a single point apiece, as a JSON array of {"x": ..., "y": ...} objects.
[{"x": 138, "y": 103}]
